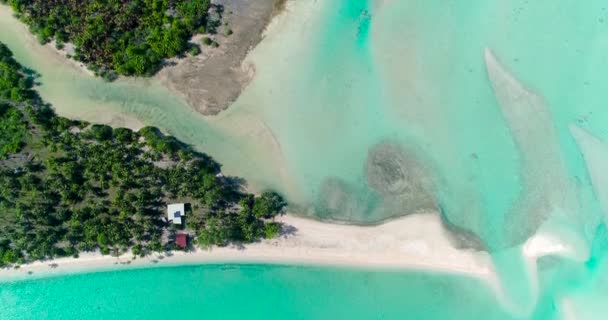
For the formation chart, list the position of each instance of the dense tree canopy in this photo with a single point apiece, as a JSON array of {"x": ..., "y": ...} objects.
[
  {"x": 13, "y": 130},
  {"x": 67, "y": 186},
  {"x": 128, "y": 37}
]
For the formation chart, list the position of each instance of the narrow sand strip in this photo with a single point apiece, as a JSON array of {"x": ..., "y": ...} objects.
[{"x": 417, "y": 242}]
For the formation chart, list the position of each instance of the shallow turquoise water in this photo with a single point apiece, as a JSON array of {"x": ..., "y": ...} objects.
[
  {"x": 248, "y": 291},
  {"x": 338, "y": 77}
]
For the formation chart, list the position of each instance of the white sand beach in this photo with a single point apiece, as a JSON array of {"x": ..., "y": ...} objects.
[
  {"x": 414, "y": 242},
  {"x": 417, "y": 242}
]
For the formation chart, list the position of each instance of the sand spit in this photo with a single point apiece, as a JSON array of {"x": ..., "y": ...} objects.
[
  {"x": 416, "y": 242},
  {"x": 211, "y": 81},
  {"x": 547, "y": 190}
]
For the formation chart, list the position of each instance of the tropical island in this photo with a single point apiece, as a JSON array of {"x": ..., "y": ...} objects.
[
  {"x": 121, "y": 227},
  {"x": 130, "y": 38},
  {"x": 487, "y": 164},
  {"x": 76, "y": 197},
  {"x": 68, "y": 186}
]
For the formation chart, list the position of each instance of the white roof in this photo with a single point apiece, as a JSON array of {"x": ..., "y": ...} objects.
[{"x": 175, "y": 212}]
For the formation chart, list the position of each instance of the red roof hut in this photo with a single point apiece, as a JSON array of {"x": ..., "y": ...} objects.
[{"x": 181, "y": 239}]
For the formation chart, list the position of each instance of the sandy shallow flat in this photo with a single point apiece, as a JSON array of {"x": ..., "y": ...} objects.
[
  {"x": 417, "y": 242},
  {"x": 211, "y": 81}
]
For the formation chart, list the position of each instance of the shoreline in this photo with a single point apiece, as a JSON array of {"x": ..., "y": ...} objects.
[
  {"x": 414, "y": 243},
  {"x": 221, "y": 70},
  {"x": 49, "y": 53},
  {"x": 212, "y": 81}
]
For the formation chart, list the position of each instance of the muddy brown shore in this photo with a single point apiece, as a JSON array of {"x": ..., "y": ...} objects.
[{"x": 212, "y": 80}]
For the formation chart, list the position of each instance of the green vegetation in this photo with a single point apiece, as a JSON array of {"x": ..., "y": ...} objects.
[
  {"x": 67, "y": 186},
  {"x": 127, "y": 37},
  {"x": 12, "y": 130},
  {"x": 194, "y": 50},
  {"x": 13, "y": 86},
  {"x": 207, "y": 41}
]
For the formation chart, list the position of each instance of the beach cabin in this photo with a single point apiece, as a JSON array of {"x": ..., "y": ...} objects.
[
  {"x": 181, "y": 240},
  {"x": 175, "y": 212}
]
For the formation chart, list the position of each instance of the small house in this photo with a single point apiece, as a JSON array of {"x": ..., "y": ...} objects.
[
  {"x": 181, "y": 240},
  {"x": 175, "y": 212}
]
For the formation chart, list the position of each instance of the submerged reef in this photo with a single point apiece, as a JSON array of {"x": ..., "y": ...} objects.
[
  {"x": 401, "y": 180},
  {"x": 397, "y": 184}
]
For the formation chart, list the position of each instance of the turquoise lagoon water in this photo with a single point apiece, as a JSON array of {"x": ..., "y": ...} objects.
[
  {"x": 248, "y": 291},
  {"x": 347, "y": 94}
]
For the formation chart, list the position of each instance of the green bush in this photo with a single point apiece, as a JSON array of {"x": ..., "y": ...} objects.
[
  {"x": 100, "y": 132},
  {"x": 159, "y": 142},
  {"x": 207, "y": 41},
  {"x": 194, "y": 50},
  {"x": 124, "y": 135},
  {"x": 272, "y": 230},
  {"x": 268, "y": 205}
]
